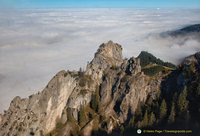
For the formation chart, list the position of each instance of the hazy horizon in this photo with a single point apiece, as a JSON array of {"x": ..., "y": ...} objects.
[{"x": 37, "y": 43}]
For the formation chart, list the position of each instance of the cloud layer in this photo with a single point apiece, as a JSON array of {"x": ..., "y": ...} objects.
[{"x": 36, "y": 44}]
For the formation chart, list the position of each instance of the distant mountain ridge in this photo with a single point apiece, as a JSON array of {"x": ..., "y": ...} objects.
[{"x": 190, "y": 30}]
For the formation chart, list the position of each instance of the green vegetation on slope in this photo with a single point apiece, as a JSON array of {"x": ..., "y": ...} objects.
[
  {"x": 152, "y": 70},
  {"x": 154, "y": 114},
  {"x": 147, "y": 58},
  {"x": 177, "y": 110},
  {"x": 95, "y": 102}
]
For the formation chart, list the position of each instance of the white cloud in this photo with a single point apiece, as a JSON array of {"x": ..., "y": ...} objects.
[{"x": 35, "y": 44}]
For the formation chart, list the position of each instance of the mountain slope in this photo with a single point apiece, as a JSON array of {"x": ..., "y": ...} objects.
[
  {"x": 178, "y": 105},
  {"x": 112, "y": 97},
  {"x": 187, "y": 30},
  {"x": 147, "y": 58}
]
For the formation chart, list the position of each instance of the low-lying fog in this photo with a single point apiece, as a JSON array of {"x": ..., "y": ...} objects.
[{"x": 37, "y": 43}]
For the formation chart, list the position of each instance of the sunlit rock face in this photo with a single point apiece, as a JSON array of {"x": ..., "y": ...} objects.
[
  {"x": 108, "y": 55},
  {"x": 123, "y": 88},
  {"x": 40, "y": 111},
  {"x": 120, "y": 83}
]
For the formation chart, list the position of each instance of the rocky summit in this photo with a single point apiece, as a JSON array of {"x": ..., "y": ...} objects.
[{"x": 108, "y": 98}]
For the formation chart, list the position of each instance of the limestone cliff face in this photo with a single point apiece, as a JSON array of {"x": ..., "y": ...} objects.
[
  {"x": 122, "y": 89},
  {"x": 39, "y": 112},
  {"x": 121, "y": 86},
  {"x": 109, "y": 54}
]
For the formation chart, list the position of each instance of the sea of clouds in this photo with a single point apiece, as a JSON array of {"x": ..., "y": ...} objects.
[{"x": 37, "y": 43}]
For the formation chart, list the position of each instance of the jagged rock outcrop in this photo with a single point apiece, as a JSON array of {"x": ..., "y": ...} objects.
[
  {"x": 121, "y": 86},
  {"x": 193, "y": 59},
  {"x": 133, "y": 66},
  {"x": 122, "y": 89},
  {"x": 108, "y": 55},
  {"x": 81, "y": 95},
  {"x": 39, "y": 112}
]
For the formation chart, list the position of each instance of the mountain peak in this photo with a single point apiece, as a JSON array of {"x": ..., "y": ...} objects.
[
  {"x": 108, "y": 54},
  {"x": 110, "y": 49}
]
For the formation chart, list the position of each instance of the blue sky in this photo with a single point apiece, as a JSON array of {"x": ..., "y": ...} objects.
[{"x": 100, "y": 3}]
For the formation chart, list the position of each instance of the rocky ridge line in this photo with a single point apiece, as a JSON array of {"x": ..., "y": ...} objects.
[{"x": 121, "y": 86}]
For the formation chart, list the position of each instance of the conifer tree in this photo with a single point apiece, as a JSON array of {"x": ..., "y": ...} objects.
[
  {"x": 131, "y": 122},
  {"x": 149, "y": 101},
  {"x": 182, "y": 102},
  {"x": 95, "y": 103},
  {"x": 80, "y": 72},
  {"x": 145, "y": 119},
  {"x": 69, "y": 114},
  {"x": 187, "y": 116},
  {"x": 163, "y": 109},
  {"x": 172, "y": 114},
  {"x": 175, "y": 96},
  {"x": 138, "y": 112},
  {"x": 152, "y": 119},
  {"x": 121, "y": 129},
  {"x": 82, "y": 116}
]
